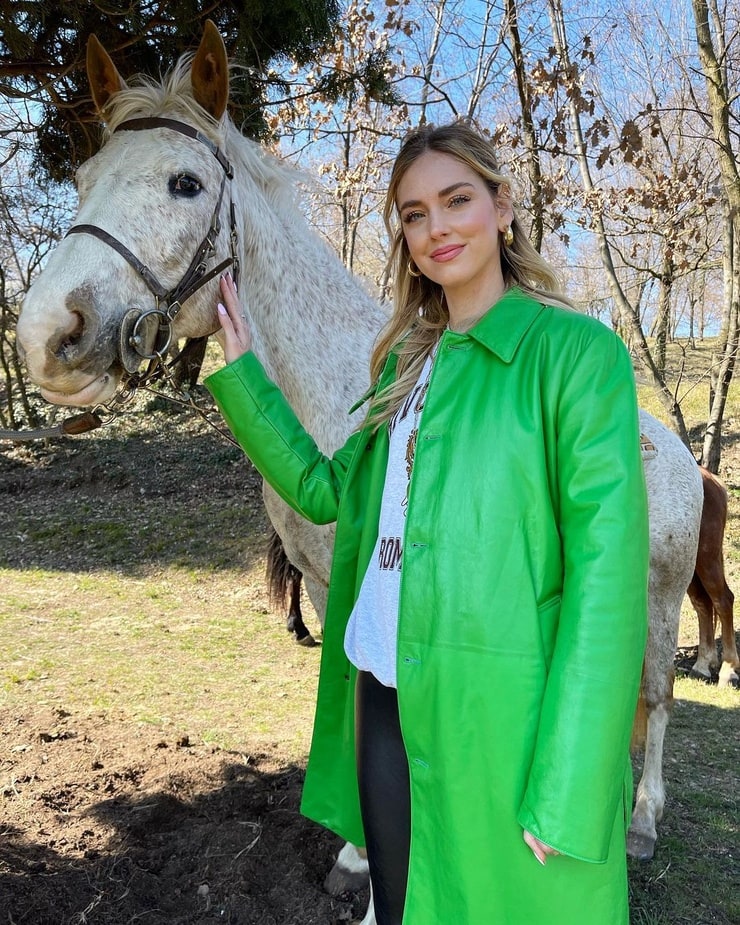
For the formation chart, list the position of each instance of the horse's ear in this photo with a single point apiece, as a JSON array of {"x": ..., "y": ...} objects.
[
  {"x": 210, "y": 73},
  {"x": 105, "y": 81}
]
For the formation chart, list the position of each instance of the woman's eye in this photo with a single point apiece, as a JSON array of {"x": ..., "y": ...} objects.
[
  {"x": 412, "y": 217},
  {"x": 184, "y": 185},
  {"x": 459, "y": 200}
]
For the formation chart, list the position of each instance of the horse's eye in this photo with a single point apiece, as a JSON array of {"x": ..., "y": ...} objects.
[{"x": 184, "y": 185}]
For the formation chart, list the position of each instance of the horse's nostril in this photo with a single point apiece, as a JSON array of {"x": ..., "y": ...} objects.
[{"x": 70, "y": 339}]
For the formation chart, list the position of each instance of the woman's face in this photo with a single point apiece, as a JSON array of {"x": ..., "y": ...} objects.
[{"x": 452, "y": 224}]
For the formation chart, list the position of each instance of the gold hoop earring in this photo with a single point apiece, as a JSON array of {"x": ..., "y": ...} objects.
[
  {"x": 412, "y": 270},
  {"x": 508, "y": 236}
]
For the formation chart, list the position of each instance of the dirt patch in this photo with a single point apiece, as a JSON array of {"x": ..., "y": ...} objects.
[{"x": 105, "y": 823}]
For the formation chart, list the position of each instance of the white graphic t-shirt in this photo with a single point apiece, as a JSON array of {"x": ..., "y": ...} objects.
[{"x": 370, "y": 638}]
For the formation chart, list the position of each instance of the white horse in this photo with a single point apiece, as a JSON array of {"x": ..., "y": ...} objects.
[{"x": 146, "y": 201}]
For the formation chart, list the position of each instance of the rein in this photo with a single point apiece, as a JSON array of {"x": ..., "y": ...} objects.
[
  {"x": 167, "y": 304},
  {"x": 69, "y": 427},
  {"x": 100, "y": 415}
]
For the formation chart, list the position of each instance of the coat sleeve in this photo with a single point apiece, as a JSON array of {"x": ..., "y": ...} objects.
[
  {"x": 581, "y": 761},
  {"x": 268, "y": 431}
]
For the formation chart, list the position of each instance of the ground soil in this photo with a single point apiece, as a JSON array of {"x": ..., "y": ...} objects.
[
  {"x": 105, "y": 824},
  {"x": 108, "y": 822}
]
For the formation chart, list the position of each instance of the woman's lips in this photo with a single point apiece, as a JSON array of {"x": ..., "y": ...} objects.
[{"x": 443, "y": 254}]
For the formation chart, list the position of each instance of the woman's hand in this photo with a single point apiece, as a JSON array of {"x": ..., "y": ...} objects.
[
  {"x": 539, "y": 849},
  {"x": 235, "y": 337}
]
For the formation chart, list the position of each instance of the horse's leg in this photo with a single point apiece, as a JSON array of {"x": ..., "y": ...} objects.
[
  {"x": 295, "y": 616},
  {"x": 714, "y": 597},
  {"x": 729, "y": 673},
  {"x": 657, "y": 698},
  {"x": 350, "y": 872},
  {"x": 307, "y": 546},
  {"x": 710, "y": 570},
  {"x": 706, "y": 658},
  {"x": 284, "y": 578},
  {"x": 650, "y": 798}
]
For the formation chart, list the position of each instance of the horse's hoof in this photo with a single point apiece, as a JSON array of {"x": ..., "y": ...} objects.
[
  {"x": 307, "y": 641},
  {"x": 700, "y": 676},
  {"x": 640, "y": 847},
  {"x": 729, "y": 679},
  {"x": 341, "y": 880}
]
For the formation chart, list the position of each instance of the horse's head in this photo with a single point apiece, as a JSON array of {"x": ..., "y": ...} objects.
[{"x": 148, "y": 200}]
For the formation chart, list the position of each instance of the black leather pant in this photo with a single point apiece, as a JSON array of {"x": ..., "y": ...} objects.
[{"x": 385, "y": 802}]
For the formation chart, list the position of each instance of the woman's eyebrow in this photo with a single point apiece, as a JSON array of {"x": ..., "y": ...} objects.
[{"x": 442, "y": 193}]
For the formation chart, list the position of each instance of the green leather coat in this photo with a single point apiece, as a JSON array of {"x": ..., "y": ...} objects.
[{"x": 523, "y": 611}]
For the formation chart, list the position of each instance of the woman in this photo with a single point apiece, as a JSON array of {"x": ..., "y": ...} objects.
[{"x": 475, "y": 705}]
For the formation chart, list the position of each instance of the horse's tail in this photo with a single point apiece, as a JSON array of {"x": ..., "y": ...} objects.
[{"x": 280, "y": 572}]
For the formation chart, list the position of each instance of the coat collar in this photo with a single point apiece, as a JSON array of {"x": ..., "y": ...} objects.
[
  {"x": 504, "y": 325},
  {"x": 501, "y": 330}
]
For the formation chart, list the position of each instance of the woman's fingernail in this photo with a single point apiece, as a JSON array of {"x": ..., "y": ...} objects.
[
  {"x": 221, "y": 309},
  {"x": 541, "y": 860}
]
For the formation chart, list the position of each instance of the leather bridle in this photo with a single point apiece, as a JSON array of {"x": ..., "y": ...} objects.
[{"x": 168, "y": 302}]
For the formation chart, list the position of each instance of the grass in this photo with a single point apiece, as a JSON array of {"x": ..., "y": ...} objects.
[{"x": 209, "y": 657}]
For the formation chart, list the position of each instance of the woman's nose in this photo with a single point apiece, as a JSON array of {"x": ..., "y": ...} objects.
[{"x": 437, "y": 223}]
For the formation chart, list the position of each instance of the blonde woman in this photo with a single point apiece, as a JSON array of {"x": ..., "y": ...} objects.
[{"x": 488, "y": 600}]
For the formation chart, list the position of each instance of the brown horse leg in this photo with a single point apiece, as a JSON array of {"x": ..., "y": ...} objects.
[
  {"x": 729, "y": 672},
  {"x": 284, "y": 577},
  {"x": 295, "y": 615},
  {"x": 710, "y": 571},
  {"x": 706, "y": 659}
]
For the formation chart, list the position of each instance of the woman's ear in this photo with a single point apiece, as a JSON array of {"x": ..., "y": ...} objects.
[{"x": 505, "y": 210}]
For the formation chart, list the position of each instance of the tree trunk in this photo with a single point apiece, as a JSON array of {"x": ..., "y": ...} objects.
[
  {"x": 534, "y": 167},
  {"x": 723, "y": 357},
  {"x": 664, "y": 313}
]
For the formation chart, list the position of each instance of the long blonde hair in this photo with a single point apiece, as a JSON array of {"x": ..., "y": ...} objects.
[{"x": 420, "y": 312}]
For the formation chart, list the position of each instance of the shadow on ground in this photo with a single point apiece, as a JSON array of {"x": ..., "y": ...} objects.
[{"x": 105, "y": 824}]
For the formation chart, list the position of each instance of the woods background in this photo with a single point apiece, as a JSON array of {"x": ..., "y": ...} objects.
[{"x": 618, "y": 124}]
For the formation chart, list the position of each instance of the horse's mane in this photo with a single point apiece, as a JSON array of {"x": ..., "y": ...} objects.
[{"x": 172, "y": 96}]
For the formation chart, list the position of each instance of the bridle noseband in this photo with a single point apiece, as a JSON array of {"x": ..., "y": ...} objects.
[{"x": 168, "y": 302}]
